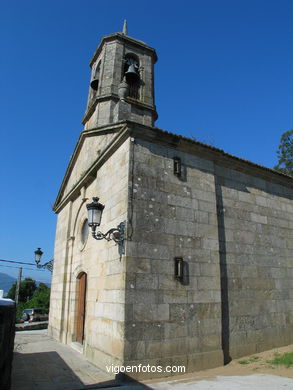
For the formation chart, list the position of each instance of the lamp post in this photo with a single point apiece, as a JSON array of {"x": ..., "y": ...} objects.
[
  {"x": 95, "y": 211},
  {"x": 48, "y": 265}
]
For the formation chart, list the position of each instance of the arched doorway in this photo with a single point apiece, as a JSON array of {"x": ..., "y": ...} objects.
[{"x": 81, "y": 302}]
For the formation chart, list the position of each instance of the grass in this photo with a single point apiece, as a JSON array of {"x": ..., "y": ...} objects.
[
  {"x": 286, "y": 359},
  {"x": 252, "y": 359}
]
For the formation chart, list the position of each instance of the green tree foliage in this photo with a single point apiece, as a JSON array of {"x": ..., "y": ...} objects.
[
  {"x": 40, "y": 299},
  {"x": 26, "y": 290},
  {"x": 285, "y": 154},
  {"x": 42, "y": 287}
]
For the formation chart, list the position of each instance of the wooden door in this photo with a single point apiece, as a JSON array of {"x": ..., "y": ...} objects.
[{"x": 81, "y": 301}]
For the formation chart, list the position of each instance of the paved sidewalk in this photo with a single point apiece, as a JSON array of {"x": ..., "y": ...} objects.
[
  {"x": 251, "y": 382},
  {"x": 40, "y": 363}
]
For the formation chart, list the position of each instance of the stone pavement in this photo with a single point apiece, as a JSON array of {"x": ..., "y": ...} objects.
[{"x": 40, "y": 363}]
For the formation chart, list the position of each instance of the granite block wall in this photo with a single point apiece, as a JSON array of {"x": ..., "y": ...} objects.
[
  {"x": 169, "y": 322},
  {"x": 255, "y": 234},
  {"x": 100, "y": 260},
  {"x": 234, "y": 232}
]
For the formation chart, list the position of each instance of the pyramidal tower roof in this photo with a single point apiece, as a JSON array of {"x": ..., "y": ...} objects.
[{"x": 123, "y": 36}]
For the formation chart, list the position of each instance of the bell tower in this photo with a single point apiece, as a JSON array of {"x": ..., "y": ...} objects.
[{"x": 122, "y": 82}]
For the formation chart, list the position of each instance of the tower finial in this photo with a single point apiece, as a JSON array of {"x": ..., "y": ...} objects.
[{"x": 124, "y": 27}]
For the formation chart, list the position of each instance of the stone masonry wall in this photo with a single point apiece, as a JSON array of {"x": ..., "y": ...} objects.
[
  {"x": 169, "y": 323},
  {"x": 104, "y": 319},
  {"x": 59, "y": 275},
  {"x": 256, "y": 242},
  {"x": 91, "y": 149},
  {"x": 234, "y": 231}
]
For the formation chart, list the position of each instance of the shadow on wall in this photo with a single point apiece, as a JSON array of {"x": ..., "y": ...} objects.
[
  {"x": 224, "y": 274},
  {"x": 47, "y": 370}
]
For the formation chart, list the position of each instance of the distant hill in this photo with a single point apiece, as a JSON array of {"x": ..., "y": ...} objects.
[{"x": 6, "y": 281}]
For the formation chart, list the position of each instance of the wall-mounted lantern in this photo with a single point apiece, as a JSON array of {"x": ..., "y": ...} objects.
[
  {"x": 178, "y": 268},
  {"x": 95, "y": 211},
  {"x": 38, "y": 256},
  {"x": 177, "y": 166}
]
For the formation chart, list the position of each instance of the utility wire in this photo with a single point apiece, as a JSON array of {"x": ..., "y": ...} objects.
[
  {"x": 31, "y": 269},
  {"x": 18, "y": 262}
]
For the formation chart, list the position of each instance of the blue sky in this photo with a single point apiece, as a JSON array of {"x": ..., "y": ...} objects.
[{"x": 224, "y": 76}]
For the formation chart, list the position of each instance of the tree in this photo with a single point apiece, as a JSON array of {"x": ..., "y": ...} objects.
[
  {"x": 41, "y": 287},
  {"x": 285, "y": 154},
  {"x": 39, "y": 299},
  {"x": 27, "y": 288}
]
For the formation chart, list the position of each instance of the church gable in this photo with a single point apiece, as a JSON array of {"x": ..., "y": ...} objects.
[{"x": 91, "y": 146}]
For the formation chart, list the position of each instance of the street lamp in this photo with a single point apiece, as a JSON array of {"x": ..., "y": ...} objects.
[
  {"x": 95, "y": 211},
  {"x": 38, "y": 256}
]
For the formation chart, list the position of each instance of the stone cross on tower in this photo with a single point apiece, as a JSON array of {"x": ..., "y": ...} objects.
[{"x": 125, "y": 27}]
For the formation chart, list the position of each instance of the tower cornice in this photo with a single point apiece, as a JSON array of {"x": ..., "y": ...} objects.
[
  {"x": 114, "y": 97},
  {"x": 124, "y": 39}
]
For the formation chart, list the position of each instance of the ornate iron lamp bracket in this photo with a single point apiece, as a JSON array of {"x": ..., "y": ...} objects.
[
  {"x": 49, "y": 265},
  {"x": 115, "y": 234}
]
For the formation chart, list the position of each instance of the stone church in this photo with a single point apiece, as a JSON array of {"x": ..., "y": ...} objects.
[{"x": 192, "y": 260}]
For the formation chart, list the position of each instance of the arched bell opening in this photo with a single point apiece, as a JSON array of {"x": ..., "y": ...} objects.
[
  {"x": 131, "y": 75},
  {"x": 96, "y": 79}
]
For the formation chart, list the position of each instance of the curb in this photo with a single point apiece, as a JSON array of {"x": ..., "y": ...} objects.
[{"x": 31, "y": 326}]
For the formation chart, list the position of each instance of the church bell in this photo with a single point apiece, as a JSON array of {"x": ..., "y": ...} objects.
[
  {"x": 132, "y": 75},
  {"x": 95, "y": 84}
]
